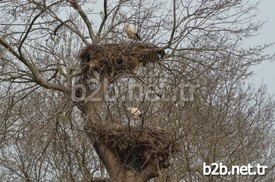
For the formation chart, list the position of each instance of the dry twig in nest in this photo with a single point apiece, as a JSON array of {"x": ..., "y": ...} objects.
[{"x": 100, "y": 180}]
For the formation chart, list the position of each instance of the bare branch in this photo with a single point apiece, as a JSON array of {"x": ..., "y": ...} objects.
[{"x": 78, "y": 8}]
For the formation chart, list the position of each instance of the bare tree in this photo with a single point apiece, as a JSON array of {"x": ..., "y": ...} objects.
[{"x": 193, "y": 91}]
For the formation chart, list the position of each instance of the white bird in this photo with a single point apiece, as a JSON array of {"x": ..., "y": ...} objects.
[
  {"x": 135, "y": 112},
  {"x": 131, "y": 31}
]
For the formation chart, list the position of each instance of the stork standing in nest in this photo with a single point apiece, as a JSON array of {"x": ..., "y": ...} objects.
[
  {"x": 131, "y": 31},
  {"x": 136, "y": 115},
  {"x": 135, "y": 112}
]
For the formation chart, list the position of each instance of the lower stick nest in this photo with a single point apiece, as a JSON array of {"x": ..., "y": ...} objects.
[{"x": 137, "y": 148}]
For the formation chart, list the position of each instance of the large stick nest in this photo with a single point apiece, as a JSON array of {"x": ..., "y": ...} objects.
[
  {"x": 137, "y": 148},
  {"x": 115, "y": 59}
]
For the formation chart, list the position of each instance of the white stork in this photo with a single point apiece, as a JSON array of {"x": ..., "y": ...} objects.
[
  {"x": 131, "y": 31},
  {"x": 135, "y": 112}
]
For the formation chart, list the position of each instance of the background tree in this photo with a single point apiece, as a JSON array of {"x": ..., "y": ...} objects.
[{"x": 204, "y": 102}]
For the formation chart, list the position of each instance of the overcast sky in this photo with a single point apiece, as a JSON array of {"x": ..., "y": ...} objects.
[{"x": 265, "y": 72}]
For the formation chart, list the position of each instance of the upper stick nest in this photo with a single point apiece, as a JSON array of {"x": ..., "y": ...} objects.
[{"x": 115, "y": 59}]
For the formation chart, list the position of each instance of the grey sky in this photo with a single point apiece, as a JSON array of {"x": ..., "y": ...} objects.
[{"x": 265, "y": 72}]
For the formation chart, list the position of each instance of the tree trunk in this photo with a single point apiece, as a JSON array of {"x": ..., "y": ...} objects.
[{"x": 94, "y": 124}]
